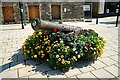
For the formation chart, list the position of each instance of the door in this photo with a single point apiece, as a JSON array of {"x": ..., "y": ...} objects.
[
  {"x": 33, "y": 12},
  {"x": 56, "y": 12},
  {"x": 8, "y": 13}
]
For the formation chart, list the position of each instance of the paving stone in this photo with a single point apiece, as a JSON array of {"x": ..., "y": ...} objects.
[
  {"x": 115, "y": 58},
  {"x": 5, "y": 55},
  {"x": 1, "y": 61},
  {"x": 26, "y": 71},
  {"x": 86, "y": 75},
  {"x": 9, "y": 74},
  {"x": 42, "y": 67},
  {"x": 87, "y": 69},
  {"x": 16, "y": 65},
  {"x": 108, "y": 61},
  {"x": 73, "y": 77},
  {"x": 55, "y": 74},
  {"x": 105, "y": 54},
  {"x": 73, "y": 72},
  {"x": 39, "y": 75},
  {"x": 112, "y": 52},
  {"x": 97, "y": 64},
  {"x": 32, "y": 62},
  {"x": 112, "y": 69},
  {"x": 101, "y": 73}
]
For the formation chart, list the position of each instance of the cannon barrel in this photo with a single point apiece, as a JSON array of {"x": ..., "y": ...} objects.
[{"x": 38, "y": 24}]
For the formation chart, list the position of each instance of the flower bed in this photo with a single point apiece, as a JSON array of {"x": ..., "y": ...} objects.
[{"x": 60, "y": 53}]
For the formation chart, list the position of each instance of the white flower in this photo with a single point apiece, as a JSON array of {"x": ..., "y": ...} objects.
[
  {"x": 76, "y": 52},
  {"x": 67, "y": 47},
  {"x": 57, "y": 56},
  {"x": 55, "y": 45},
  {"x": 62, "y": 56},
  {"x": 74, "y": 49},
  {"x": 58, "y": 49},
  {"x": 79, "y": 56},
  {"x": 59, "y": 59}
]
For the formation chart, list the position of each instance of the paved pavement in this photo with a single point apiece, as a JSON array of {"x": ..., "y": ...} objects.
[{"x": 14, "y": 65}]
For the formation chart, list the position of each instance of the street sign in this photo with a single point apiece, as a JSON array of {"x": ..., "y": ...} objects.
[{"x": 87, "y": 8}]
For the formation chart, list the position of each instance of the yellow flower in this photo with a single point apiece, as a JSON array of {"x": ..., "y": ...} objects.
[
  {"x": 74, "y": 58},
  {"x": 40, "y": 33},
  {"x": 35, "y": 47},
  {"x": 104, "y": 41},
  {"x": 101, "y": 51},
  {"x": 79, "y": 56},
  {"x": 31, "y": 56},
  {"x": 66, "y": 50},
  {"x": 47, "y": 60},
  {"x": 43, "y": 54},
  {"x": 63, "y": 61},
  {"x": 68, "y": 62},
  {"x": 35, "y": 56},
  {"x": 61, "y": 41},
  {"x": 36, "y": 36}
]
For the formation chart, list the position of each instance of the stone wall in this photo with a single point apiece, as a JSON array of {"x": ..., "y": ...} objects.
[
  {"x": 72, "y": 11},
  {"x": 45, "y": 11}
]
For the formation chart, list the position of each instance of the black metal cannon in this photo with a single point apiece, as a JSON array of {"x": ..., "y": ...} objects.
[{"x": 38, "y": 24}]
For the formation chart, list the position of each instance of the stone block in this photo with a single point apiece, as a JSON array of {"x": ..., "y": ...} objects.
[{"x": 101, "y": 73}]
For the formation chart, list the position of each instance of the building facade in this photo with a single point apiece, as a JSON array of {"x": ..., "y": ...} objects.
[{"x": 66, "y": 11}]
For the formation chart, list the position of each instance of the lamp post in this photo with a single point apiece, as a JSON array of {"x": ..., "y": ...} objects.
[
  {"x": 118, "y": 14},
  {"x": 21, "y": 11}
]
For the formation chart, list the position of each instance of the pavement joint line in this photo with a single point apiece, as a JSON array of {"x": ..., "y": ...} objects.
[
  {"x": 113, "y": 59},
  {"x": 18, "y": 73},
  {"x": 94, "y": 75},
  {"x": 105, "y": 63},
  {"x": 109, "y": 72}
]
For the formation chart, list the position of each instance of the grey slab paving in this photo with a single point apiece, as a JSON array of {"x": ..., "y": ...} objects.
[
  {"x": 16, "y": 65},
  {"x": 10, "y": 74},
  {"x": 56, "y": 74},
  {"x": 86, "y": 75},
  {"x": 107, "y": 61},
  {"x": 87, "y": 69},
  {"x": 73, "y": 72},
  {"x": 98, "y": 64},
  {"x": 101, "y": 73},
  {"x": 39, "y": 75},
  {"x": 113, "y": 70},
  {"x": 115, "y": 58},
  {"x": 43, "y": 67},
  {"x": 26, "y": 71}
]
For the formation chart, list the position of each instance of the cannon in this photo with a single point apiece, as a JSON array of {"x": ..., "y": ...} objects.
[{"x": 38, "y": 24}]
